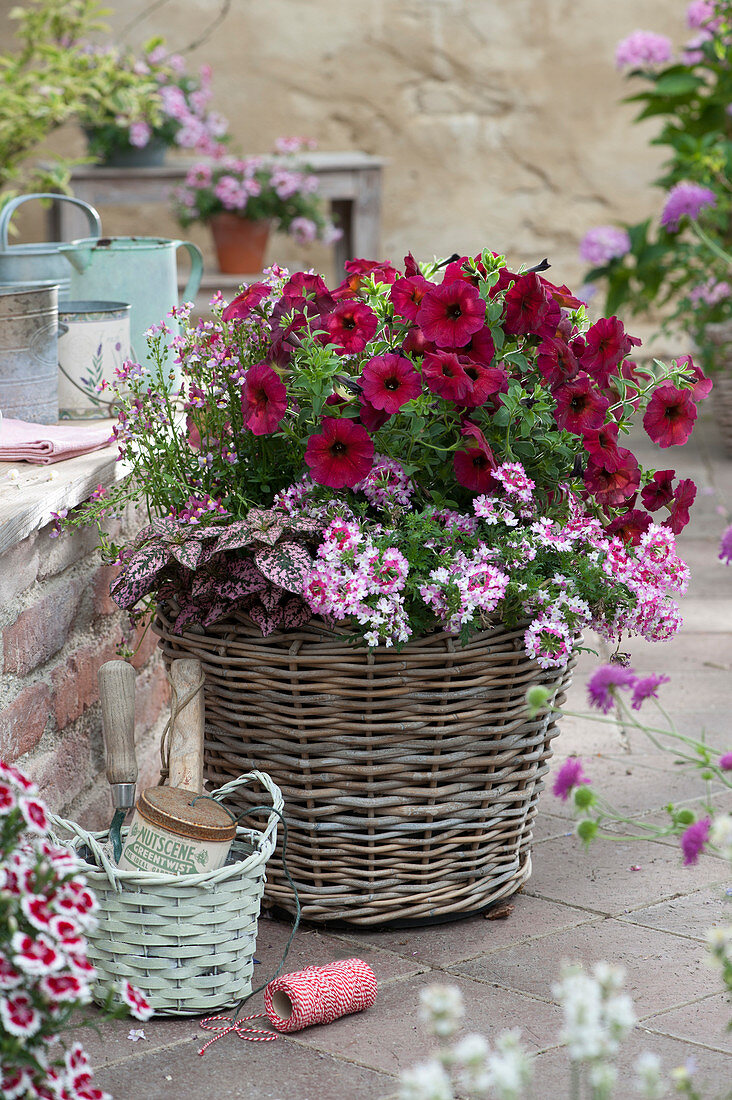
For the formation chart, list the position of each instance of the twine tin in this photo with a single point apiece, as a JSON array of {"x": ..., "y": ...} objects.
[{"x": 177, "y": 832}]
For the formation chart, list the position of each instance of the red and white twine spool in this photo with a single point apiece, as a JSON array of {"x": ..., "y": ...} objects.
[
  {"x": 319, "y": 994},
  {"x": 316, "y": 995}
]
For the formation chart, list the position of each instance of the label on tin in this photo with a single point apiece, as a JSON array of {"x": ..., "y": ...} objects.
[{"x": 148, "y": 848}]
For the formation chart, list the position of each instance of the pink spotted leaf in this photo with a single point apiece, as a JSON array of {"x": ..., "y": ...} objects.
[{"x": 286, "y": 564}]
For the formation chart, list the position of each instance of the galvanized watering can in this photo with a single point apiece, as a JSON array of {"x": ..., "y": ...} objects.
[
  {"x": 28, "y": 351},
  {"x": 138, "y": 270},
  {"x": 21, "y": 263}
]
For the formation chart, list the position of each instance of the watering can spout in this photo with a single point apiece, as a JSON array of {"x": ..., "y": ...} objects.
[{"x": 78, "y": 256}]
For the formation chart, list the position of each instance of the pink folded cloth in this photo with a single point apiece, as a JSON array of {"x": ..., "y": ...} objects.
[{"x": 46, "y": 443}]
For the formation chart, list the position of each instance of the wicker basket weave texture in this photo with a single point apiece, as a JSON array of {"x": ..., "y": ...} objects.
[
  {"x": 410, "y": 779},
  {"x": 187, "y": 941}
]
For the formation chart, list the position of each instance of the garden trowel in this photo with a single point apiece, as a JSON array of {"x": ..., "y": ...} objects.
[{"x": 117, "y": 695}]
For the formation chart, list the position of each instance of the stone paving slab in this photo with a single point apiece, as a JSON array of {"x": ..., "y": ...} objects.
[
  {"x": 690, "y": 915},
  {"x": 704, "y": 1022}
]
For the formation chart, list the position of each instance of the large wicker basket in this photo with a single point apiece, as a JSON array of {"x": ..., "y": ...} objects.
[{"x": 411, "y": 779}]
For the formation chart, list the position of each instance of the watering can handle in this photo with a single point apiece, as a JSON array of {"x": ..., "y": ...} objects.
[
  {"x": 194, "y": 279},
  {"x": 95, "y": 222}
]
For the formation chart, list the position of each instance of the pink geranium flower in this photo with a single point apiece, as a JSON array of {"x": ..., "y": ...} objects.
[
  {"x": 341, "y": 454},
  {"x": 449, "y": 314}
]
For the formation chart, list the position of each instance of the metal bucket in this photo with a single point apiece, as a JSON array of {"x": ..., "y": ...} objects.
[
  {"x": 28, "y": 352},
  {"x": 94, "y": 342},
  {"x": 23, "y": 262}
]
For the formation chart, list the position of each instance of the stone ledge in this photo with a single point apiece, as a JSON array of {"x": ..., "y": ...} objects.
[{"x": 26, "y": 503}]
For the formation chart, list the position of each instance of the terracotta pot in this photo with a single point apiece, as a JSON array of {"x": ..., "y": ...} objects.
[{"x": 240, "y": 243}]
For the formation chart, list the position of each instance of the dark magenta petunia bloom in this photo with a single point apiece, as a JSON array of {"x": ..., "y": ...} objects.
[
  {"x": 240, "y": 308},
  {"x": 603, "y": 685},
  {"x": 411, "y": 267},
  {"x": 351, "y": 325},
  {"x": 613, "y": 487},
  {"x": 415, "y": 342},
  {"x": 630, "y": 526},
  {"x": 444, "y": 375},
  {"x": 702, "y": 386},
  {"x": 307, "y": 292},
  {"x": 556, "y": 361},
  {"x": 694, "y": 840},
  {"x": 570, "y": 775},
  {"x": 526, "y": 306},
  {"x": 358, "y": 270},
  {"x": 371, "y": 418},
  {"x": 389, "y": 381},
  {"x": 659, "y": 490},
  {"x": 487, "y": 381},
  {"x": 602, "y": 446},
  {"x": 683, "y": 499},
  {"x": 341, "y": 454},
  {"x": 475, "y": 465},
  {"x": 562, "y": 295},
  {"x": 407, "y": 295},
  {"x": 480, "y": 347},
  {"x": 580, "y": 405},
  {"x": 606, "y": 345},
  {"x": 670, "y": 416},
  {"x": 263, "y": 399},
  {"x": 450, "y": 313}
]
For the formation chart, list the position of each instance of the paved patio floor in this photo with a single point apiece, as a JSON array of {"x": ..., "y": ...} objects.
[{"x": 628, "y": 901}]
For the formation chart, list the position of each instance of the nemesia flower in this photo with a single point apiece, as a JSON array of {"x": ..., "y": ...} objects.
[
  {"x": 341, "y": 454},
  {"x": 569, "y": 776},
  {"x": 694, "y": 840},
  {"x": 604, "y": 243},
  {"x": 445, "y": 375},
  {"x": 389, "y": 381},
  {"x": 647, "y": 688},
  {"x": 449, "y": 314},
  {"x": 604, "y": 684},
  {"x": 351, "y": 325},
  {"x": 263, "y": 399},
  {"x": 670, "y": 416},
  {"x": 686, "y": 199},
  {"x": 659, "y": 490},
  {"x": 580, "y": 406},
  {"x": 643, "y": 48}
]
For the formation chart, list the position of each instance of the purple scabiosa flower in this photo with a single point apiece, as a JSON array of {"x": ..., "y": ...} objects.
[
  {"x": 686, "y": 199},
  {"x": 569, "y": 776},
  {"x": 643, "y": 48},
  {"x": 725, "y": 762},
  {"x": 725, "y": 547},
  {"x": 694, "y": 840},
  {"x": 603, "y": 243},
  {"x": 602, "y": 685},
  {"x": 699, "y": 13},
  {"x": 647, "y": 687}
]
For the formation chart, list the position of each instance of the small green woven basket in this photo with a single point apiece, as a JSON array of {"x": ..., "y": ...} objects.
[{"x": 186, "y": 941}]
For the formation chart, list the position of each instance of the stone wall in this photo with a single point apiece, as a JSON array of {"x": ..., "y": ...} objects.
[
  {"x": 57, "y": 626},
  {"x": 500, "y": 119}
]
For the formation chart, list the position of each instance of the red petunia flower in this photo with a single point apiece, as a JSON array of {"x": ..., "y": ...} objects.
[
  {"x": 526, "y": 306},
  {"x": 475, "y": 465},
  {"x": 240, "y": 308},
  {"x": 606, "y": 345},
  {"x": 407, "y": 295},
  {"x": 703, "y": 385},
  {"x": 630, "y": 526},
  {"x": 371, "y": 418},
  {"x": 358, "y": 270},
  {"x": 263, "y": 399},
  {"x": 670, "y": 416},
  {"x": 445, "y": 375},
  {"x": 556, "y": 361},
  {"x": 683, "y": 499},
  {"x": 306, "y": 293},
  {"x": 411, "y": 267},
  {"x": 415, "y": 341},
  {"x": 487, "y": 381},
  {"x": 480, "y": 347},
  {"x": 341, "y": 455},
  {"x": 580, "y": 406},
  {"x": 450, "y": 313},
  {"x": 389, "y": 381},
  {"x": 562, "y": 295},
  {"x": 351, "y": 325},
  {"x": 613, "y": 487},
  {"x": 602, "y": 446},
  {"x": 659, "y": 490}
]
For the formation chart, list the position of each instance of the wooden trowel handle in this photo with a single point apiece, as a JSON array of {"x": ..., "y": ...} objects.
[
  {"x": 117, "y": 694},
  {"x": 186, "y": 739}
]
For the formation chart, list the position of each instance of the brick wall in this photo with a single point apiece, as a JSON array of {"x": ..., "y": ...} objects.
[{"x": 57, "y": 626}]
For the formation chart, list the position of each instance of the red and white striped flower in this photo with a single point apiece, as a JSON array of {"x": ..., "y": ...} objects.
[
  {"x": 80, "y": 965},
  {"x": 16, "y": 778},
  {"x": 135, "y": 1001},
  {"x": 9, "y": 976},
  {"x": 7, "y": 799},
  {"x": 18, "y": 1015},
  {"x": 66, "y": 932},
  {"x": 14, "y": 1083},
  {"x": 36, "y": 911},
  {"x": 34, "y": 813},
  {"x": 62, "y": 859},
  {"x": 65, "y": 987},
  {"x": 38, "y": 956}
]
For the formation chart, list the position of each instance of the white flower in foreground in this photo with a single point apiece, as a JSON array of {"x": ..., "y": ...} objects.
[
  {"x": 470, "y": 1056},
  {"x": 720, "y": 834},
  {"x": 427, "y": 1081},
  {"x": 603, "y": 1077},
  {"x": 649, "y": 1081},
  {"x": 441, "y": 1009},
  {"x": 581, "y": 999},
  {"x": 510, "y": 1068}
]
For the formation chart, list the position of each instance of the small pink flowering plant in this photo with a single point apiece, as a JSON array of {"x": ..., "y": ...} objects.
[
  {"x": 431, "y": 448},
  {"x": 278, "y": 189},
  {"x": 46, "y": 912},
  {"x": 132, "y": 101}
]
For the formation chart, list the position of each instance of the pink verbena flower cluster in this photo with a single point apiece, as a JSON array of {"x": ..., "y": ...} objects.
[
  {"x": 642, "y": 48},
  {"x": 46, "y": 911}
]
